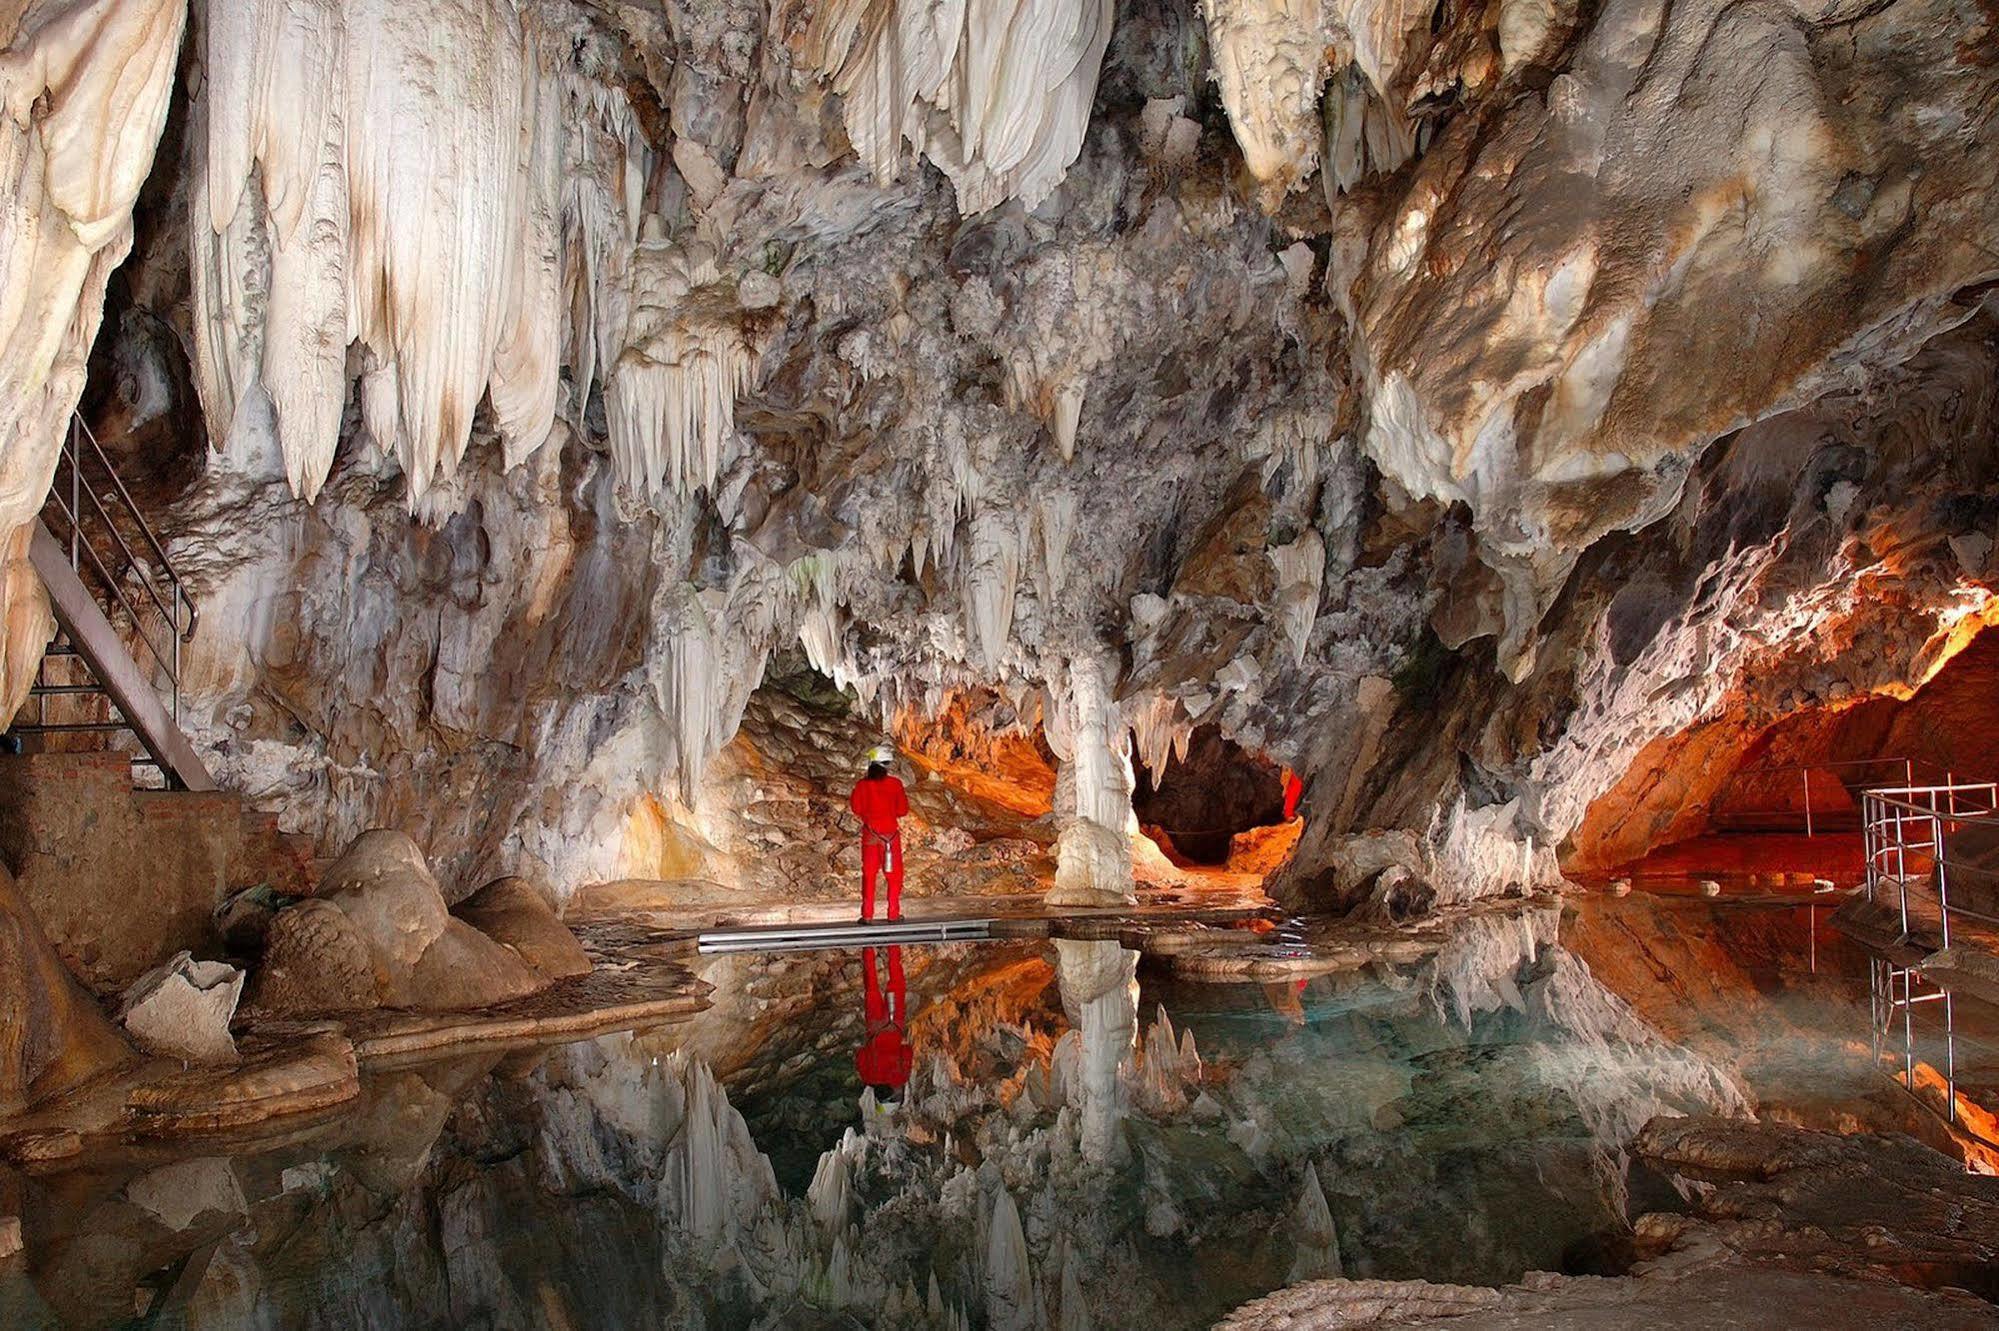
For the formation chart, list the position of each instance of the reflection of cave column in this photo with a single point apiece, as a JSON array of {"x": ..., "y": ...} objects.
[
  {"x": 1092, "y": 792},
  {"x": 1099, "y": 984}
]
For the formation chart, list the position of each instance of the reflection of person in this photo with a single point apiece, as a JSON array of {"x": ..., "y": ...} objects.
[
  {"x": 879, "y": 801},
  {"x": 884, "y": 1057}
]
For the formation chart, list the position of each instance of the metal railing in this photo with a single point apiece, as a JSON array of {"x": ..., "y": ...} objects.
[
  {"x": 1847, "y": 773},
  {"x": 1907, "y": 831},
  {"x": 1896, "y": 992},
  {"x": 91, "y": 512}
]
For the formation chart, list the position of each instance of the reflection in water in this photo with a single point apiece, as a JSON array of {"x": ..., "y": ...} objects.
[
  {"x": 1051, "y": 1163},
  {"x": 884, "y": 1057},
  {"x": 1099, "y": 987}
]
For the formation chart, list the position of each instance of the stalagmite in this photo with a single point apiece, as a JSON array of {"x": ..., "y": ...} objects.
[{"x": 997, "y": 93}]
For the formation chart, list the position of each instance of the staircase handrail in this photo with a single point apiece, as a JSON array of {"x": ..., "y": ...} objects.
[{"x": 176, "y": 607}]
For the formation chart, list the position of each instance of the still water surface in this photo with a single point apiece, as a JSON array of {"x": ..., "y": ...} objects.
[{"x": 1057, "y": 1135}]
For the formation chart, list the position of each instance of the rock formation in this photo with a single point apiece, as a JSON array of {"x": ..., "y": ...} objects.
[
  {"x": 55, "y": 1038},
  {"x": 1627, "y": 369},
  {"x": 377, "y": 932}
]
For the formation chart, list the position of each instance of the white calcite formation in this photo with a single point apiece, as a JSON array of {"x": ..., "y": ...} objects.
[
  {"x": 86, "y": 88},
  {"x": 996, "y": 93}
]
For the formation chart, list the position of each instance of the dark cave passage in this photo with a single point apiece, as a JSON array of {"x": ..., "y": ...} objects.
[{"x": 1198, "y": 806}]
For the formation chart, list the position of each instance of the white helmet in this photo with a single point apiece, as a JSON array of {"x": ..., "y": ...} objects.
[{"x": 881, "y": 753}]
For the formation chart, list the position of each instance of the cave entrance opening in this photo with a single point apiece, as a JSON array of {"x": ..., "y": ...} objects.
[
  {"x": 1770, "y": 800},
  {"x": 1221, "y": 806}
]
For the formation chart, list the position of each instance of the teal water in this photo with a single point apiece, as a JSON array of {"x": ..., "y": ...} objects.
[{"x": 1078, "y": 1138}]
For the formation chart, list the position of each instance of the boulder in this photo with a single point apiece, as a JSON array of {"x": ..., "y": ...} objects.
[
  {"x": 315, "y": 960},
  {"x": 377, "y": 933},
  {"x": 513, "y": 911},
  {"x": 55, "y": 1037},
  {"x": 244, "y": 918},
  {"x": 382, "y": 884},
  {"x": 464, "y": 968},
  {"x": 182, "y": 1009}
]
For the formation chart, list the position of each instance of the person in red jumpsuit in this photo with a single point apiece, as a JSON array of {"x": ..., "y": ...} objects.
[
  {"x": 884, "y": 1057},
  {"x": 879, "y": 801}
]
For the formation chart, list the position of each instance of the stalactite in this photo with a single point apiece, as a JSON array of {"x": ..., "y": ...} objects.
[
  {"x": 352, "y": 187},
  {"x": 1054, "y": 526},
  {"x": 1270, "y": 62},
  {"x": 86, "y": 88},
  {"x": 1364, "y": 134},
  {"x": 1161, "y": 731},
  {"x": 671, "y": 400},
  {"x": 1301, "y": 573},
  {"x": 992, "y": 575},
  {"x": 997, "y": 93}
]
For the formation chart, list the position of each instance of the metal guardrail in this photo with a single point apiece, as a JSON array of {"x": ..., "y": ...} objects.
[
  {"x": 845, "y": 934},
  {"x": 91, "y": 519},
  {"x": 1848, "y": 773},
  {"x": 1898, "y": 991},
  {"x": 1908, "y": 830}
]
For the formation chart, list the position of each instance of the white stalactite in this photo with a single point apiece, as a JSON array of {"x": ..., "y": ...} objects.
[
  {"x": 1270, "y": 59},
  {"x": 356, "y": 188},
  {"x": 1055, "y": 525},
  {"x": 671, "y": 400},
  {"x": 997, "y": 93},
  {"x": 1161, "y": 731},
  {"x": 992, "y": 576},
  {"x": 1301, "y": 574}
]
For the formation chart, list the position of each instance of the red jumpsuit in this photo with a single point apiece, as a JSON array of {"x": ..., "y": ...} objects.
[
  {"x": 884, "y": 1058},
  {"x": 878, "y": 803}
]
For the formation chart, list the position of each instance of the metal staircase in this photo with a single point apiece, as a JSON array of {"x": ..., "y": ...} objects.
[{"x": 98, "y": 556}]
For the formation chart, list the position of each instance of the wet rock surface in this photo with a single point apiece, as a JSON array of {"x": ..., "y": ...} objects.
[
  {"x": 1833, "y": 1230},
  {"x": 56, "y": 1037}
]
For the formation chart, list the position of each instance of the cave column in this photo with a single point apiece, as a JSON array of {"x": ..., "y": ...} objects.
[{"x": 1093, "y": 783}]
